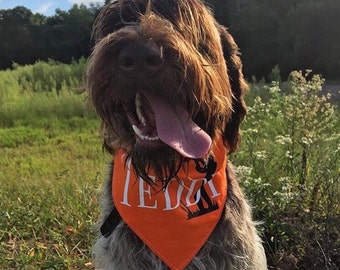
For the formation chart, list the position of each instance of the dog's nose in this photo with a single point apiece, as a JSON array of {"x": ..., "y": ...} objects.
[{"x": 147, "y": 59}]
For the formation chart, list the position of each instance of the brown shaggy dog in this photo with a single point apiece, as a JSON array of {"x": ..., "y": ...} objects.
[{"x": 166, "y": 80}]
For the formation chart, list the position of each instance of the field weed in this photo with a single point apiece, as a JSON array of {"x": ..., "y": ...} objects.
[{"x": 289, "y": 162}]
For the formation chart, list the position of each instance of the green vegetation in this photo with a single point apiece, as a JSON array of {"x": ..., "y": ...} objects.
[
  {"x": 295, "y": 35},
  {"x": 36, "y": 94},
  {"x": 27, "y": 37},
  {"x": 52, "y": 169},
  {"x": 289, "y": 168}
]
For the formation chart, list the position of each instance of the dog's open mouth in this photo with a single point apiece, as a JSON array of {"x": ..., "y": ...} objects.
[
  {"x": 143, "y": 120},
  {"x": 154, "y": 122}
]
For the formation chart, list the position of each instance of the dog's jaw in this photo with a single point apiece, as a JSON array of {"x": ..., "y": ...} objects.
[
  {"x": 142, "y": 121},
  {"x": 156, "y": 122}
]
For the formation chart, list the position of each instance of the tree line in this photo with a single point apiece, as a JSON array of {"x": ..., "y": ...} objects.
[
  {"x": 26, "y": 37},
  {"x": 290, "y": 34}
]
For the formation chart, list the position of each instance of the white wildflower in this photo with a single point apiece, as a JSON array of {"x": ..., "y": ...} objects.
[{"x": 283, "y": 139}]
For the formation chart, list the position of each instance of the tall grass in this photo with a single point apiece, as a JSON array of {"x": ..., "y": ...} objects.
[{"x": 41, "y": 92}]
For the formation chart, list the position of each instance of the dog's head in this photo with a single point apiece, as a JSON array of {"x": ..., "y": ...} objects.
[{"x": 166, "y": 80}]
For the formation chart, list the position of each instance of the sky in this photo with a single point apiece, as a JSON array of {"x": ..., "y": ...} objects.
[{"x": 45, "y": 7}]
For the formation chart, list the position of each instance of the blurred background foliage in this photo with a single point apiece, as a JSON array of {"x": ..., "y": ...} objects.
[{"x": 290, "y": 34}]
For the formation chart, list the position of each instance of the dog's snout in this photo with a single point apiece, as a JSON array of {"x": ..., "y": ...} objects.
[{"x": 147, "y": 59}]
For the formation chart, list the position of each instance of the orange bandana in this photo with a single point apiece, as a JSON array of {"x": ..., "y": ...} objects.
[{"x": 175, "y": 222}]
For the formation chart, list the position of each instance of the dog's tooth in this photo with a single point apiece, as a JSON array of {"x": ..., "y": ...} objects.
[
  {"x": 137, "y": 131},
  {"x": 138, "y": 101},
  {"x": 140, "y": 135},
  {"x": 141, "y": 117},
  {"x": 138, "y": 104},
  {"x": 155, "y": 138}
]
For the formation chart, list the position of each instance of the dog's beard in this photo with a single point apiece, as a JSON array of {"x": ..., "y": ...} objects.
[{"x": 155, "y": 165}]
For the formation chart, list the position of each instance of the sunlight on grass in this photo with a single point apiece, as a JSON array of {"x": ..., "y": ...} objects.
[
  {"x": 52, "y": 170},
  {"x": 49, "y": 198}
]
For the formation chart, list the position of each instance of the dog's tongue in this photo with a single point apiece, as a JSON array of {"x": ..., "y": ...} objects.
[{"x": 176, "y": 129}]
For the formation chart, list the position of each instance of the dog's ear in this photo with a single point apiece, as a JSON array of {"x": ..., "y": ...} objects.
[{"x": 231, "y": 134}]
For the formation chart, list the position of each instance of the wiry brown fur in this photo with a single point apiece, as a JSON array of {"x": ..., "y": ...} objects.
[{"x": 202, "y": 71}]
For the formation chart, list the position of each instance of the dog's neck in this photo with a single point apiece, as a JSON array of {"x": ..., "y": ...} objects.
[{"x": 192, "y": 169}]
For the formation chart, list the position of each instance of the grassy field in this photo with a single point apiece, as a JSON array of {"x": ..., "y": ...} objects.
[
  {"x": 52, "y": 170},
  {"x": 50, "y": 180}
]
